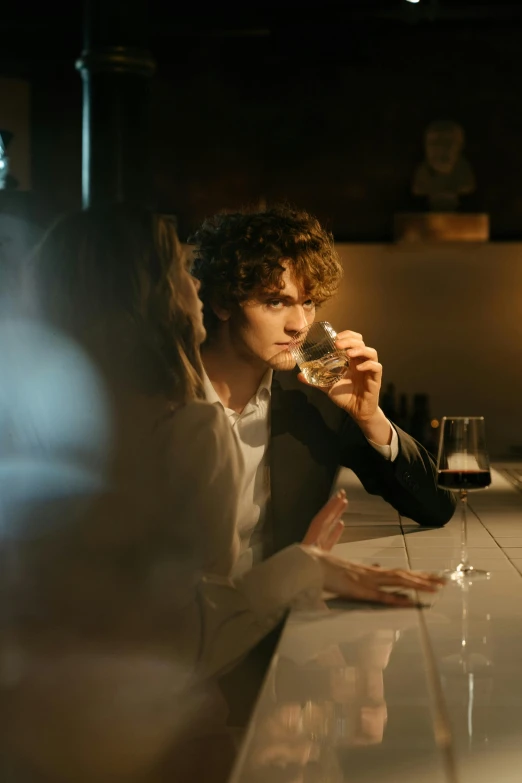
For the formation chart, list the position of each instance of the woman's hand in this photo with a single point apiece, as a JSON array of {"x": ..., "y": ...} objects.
[
  {"x": 326, "y": 527},
  {"x": 359, "y": 582}
]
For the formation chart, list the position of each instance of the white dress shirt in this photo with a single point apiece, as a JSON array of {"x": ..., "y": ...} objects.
[{"x": 252, "y": 430}]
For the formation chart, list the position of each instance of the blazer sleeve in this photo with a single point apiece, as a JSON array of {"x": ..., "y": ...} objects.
[
  {"x": 235, "y": 616},
  {"x": 409, "y": 483}
]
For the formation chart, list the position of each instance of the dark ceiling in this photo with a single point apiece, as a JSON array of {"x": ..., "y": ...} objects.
[{"x": 53, "y": 29}]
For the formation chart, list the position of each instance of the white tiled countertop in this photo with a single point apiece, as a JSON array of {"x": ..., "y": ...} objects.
[{"x": 368, "y": 695}]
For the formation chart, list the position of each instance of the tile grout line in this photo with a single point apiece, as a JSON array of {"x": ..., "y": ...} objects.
[
  {"x": 440, "y": 715},
  {"x": 441, "y": 721},
  {"x": 497, "y": 542}
]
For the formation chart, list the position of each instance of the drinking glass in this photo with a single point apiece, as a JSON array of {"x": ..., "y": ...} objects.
[
  {"x": 314, "y": 351},
  {"x": 463, "y": 466}
]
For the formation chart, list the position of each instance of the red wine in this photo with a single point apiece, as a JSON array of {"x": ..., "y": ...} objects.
[{"x": 464, "y": 479}]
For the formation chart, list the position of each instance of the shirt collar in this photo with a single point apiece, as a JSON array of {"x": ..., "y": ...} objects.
[
  {"x": 263, "y": 390},
  {"x": 265, "y": 387},
  {"x": 211, "y": 394}
]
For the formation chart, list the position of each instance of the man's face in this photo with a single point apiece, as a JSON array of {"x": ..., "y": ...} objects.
[{"x": 263, "y": 328}]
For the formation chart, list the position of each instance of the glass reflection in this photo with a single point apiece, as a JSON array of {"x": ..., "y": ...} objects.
[
  {"x": 467, "y": 672},
  {"x": 333, "y": 700}
]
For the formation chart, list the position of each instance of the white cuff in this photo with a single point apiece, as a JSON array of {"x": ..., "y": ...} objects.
[{"x": 391, "y": 451}]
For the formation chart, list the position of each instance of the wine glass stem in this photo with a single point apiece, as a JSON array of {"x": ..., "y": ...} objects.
[{"x": 464, "y": 562}]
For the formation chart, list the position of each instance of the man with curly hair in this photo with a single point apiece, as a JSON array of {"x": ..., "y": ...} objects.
[{"x": 262, "y": 276}]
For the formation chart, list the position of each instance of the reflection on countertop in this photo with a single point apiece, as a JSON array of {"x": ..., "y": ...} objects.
[{"x": 327, "y": 694}]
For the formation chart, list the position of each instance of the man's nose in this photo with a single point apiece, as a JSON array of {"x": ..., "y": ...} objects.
[{"x": 296, "y": 319}]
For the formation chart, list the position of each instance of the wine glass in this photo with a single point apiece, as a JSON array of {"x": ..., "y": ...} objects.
[{"x": 462, "y": 466}]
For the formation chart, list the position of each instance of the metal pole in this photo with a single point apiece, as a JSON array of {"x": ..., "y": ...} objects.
[{"x": 116, "y": 67}]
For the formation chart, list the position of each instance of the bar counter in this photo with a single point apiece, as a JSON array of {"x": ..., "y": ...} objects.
[{"x": 364, "y": 694}]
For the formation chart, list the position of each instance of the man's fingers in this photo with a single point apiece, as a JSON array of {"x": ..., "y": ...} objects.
[
  {"x": 349, "y": 345},
  {"x": 369, "y": 366},
  {"x": 348, "y": 336},
  {"x": 362, "y": 351}
]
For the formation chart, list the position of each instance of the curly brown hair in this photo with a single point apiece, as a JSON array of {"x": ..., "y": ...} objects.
[
  {"x": 110, "y": 277},
  {"x": 238, "y": 256}
]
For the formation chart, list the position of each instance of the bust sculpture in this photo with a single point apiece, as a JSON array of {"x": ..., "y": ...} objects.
[{"x": 445, "y": 174}]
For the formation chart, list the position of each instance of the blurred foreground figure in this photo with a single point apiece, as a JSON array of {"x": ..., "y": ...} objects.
[
  {"x": 85, "y": 694},
  {"x": 100, "y": 624}
]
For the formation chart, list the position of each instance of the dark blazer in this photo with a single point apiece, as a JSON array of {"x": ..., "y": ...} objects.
[{"x": 311, "y": 438}]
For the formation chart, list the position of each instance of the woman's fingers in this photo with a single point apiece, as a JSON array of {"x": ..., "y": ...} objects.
[
  {"x": 324, "y": 526},
  {"x": 393, "y": 576},
  {"x": 438, "y": 578},
  {"x": 399, "y": 577},
  {"x": 397, "y": 580},
  {"x": 331, "y": 509},
  {"x": 364, "y": 583},
  {"x": 420, "y": 577},
  {"x": 363, "y": 592},
  {"x": 335, "y": 534}
]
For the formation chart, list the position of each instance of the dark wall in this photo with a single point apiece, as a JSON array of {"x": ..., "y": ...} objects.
[
  {"x": 329, "y": 116},
  {"x": 56, "y": 137},
  {"x": 341, "y": 131}
]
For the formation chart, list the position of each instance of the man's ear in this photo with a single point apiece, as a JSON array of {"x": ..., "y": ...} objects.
[{"x": 219, "y": 311}]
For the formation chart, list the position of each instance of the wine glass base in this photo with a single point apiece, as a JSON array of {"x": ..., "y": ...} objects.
[{"x": 466, "y": 573}]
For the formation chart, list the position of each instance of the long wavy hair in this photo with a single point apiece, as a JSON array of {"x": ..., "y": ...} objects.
[{"x": 110, "y": 277}]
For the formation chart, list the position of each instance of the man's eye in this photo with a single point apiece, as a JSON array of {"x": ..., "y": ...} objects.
[
  {"x": 275, "y": 304},
  {"x": 310, "y": 304}
]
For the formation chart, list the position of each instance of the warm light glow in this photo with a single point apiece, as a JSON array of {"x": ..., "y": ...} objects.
[{"x": 435, "y": 423}]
